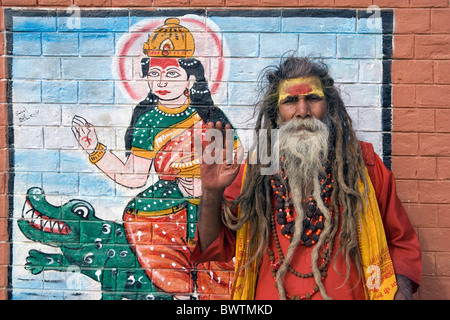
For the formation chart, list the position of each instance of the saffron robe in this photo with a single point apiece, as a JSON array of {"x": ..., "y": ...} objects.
[{"x": 402, "y": 241}]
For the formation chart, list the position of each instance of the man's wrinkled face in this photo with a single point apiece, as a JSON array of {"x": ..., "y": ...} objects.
[{"x": 301, "y": 97}]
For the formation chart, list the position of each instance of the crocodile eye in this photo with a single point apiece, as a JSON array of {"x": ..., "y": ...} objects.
[{"x": 81, "y": 211}]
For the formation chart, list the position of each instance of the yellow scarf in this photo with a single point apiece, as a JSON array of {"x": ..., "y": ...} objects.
[{"x": 379, "y": 276}]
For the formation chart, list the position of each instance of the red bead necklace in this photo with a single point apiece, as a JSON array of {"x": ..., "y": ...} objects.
[{"x": 312, "y": 225}]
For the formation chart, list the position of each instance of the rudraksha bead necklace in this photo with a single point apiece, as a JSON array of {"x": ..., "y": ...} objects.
[{"x": 313, "y": 225}]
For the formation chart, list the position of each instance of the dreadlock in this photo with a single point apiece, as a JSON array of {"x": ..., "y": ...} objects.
[{"x": 347, "y": 170}]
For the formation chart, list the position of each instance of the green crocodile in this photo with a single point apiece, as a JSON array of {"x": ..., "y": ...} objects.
[{"x": 98, "y": 248}]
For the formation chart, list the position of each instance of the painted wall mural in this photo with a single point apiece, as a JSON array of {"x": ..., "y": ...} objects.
[{"x": 135, "y": 89}]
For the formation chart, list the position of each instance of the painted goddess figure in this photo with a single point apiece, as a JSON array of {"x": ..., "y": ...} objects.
[{"x": 160, "y": 222}]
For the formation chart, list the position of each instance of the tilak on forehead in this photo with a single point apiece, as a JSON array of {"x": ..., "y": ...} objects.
[
  {"x": 164, "y": 62},
  {"x": 300, "y": 86}
]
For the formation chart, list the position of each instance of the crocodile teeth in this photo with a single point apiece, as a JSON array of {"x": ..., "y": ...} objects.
[{"x": 42, "y": 222}]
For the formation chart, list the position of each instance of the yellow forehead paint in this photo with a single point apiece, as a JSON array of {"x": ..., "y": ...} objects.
[{"x": 300, "y": 86}]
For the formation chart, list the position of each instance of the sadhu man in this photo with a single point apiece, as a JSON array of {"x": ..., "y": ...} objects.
[{"x": 328, "y": 224}]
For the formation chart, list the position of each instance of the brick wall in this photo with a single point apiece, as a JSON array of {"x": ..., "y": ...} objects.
[{"x": 420, "y": 89}]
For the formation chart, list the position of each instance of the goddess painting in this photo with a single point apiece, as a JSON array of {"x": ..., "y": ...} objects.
[{"x": 164, "y": 131}]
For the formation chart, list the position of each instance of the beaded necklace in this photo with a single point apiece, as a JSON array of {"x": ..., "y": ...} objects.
[{"x": 312, "y": 225}]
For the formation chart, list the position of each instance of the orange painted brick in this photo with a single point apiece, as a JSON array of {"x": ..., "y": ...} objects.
[
  {"x": 412, "y": 71},
  {"x": 209, "y": 3},
  {"x": 442, "y": 265},
  {"x": 403, "y": 95},
  {"x": 408, "y": 190},
  {"x": 4, "y": 182},
  {"x": 412, "y": 20},
  {"x": 4, "y": 205},
  {"x": 4, "y": 156},
  {"x": 272, "y": 3},
  {"x": 428, "y": 3},
  {"x": 315, "y": 3},
  {"x": 443, "y": 168},
  {"x": 422, "y": 215},
  {"x": 443, "y": 120},
  {"x": 434, "y": 192},
  {"x": 131, "y": 3},
  {"x": 55, "y": 3},
  {"x": 404, "y": 46},
  {"x": 3, "y": 114},
  {"x": 2, "y": 43},
  {"x": 430, "y": 47},
  {"x": 419, "y": 120},
  {"x": 444, "y": 215},
  {"x": 391, "y": 3},
  {"x": 405, "y": 143},
  {"x": 4, "y": 232},
  {"x": 434, "y": 239},
  {"x": 428, "y": 263},
  {"x": 242, "y": 3},
  {"x": 3, "y": 282},
  {"x": 170, "y": 3},
  {"x": 353, "y": 3},
  {"x": 441, "y": 70},
  {"x": 3, "y": 86},
  {"x": 3, "y": 69},
  {"x": 3, "y": 143},
  {"x": 439, "y": 20},
  {"x": 2, "y": 21},
  {"x": 433, "y": 96},
  {"x": 434, "y": 144},
  {"x": 4, "y": 253},
  {"x": 19, "y": 2},
  {"x": 92, "y": 3},
  {"x": 414, "y": 167}
]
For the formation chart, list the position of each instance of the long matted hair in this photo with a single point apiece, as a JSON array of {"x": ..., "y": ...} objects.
[{"x": 347, "y": 168}]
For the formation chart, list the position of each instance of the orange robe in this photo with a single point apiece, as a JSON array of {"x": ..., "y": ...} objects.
[{"x": 402, "y": 241}]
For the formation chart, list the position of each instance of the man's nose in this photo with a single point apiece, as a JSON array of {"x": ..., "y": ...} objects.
[{"x": 302, "y": 109}]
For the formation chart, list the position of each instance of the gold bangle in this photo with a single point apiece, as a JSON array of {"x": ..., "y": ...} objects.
[{"x": 98, "y": 153}]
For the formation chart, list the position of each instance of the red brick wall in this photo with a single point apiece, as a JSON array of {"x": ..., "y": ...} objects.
[
  {"x": 420, "y": 146},
  {"x": 421, "y": 112}
]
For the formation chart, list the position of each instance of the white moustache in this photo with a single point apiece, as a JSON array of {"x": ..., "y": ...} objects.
[{"x": 299, "y": 124}]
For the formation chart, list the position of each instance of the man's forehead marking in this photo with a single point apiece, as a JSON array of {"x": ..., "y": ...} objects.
[{"x": 300, "y": 86}]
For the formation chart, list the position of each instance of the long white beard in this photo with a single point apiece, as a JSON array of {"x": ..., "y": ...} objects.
[{"x": 304, "y": 144}]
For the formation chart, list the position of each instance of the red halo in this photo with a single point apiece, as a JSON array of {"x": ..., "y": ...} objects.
[{"x": 149, "y": 27}]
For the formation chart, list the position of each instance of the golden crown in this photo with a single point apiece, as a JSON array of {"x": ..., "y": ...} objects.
[{"x": 170, "y": 40}]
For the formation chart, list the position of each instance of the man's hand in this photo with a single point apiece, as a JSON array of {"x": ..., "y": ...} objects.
[
  {"x": 217, "y": 176},
  {"x": 404, "y": 288}
]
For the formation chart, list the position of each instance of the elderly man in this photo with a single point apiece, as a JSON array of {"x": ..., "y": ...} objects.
[{"x": 328, "y": 224}]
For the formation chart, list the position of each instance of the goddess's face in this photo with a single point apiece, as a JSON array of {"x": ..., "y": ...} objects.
[{"x": 168, "y": 80}]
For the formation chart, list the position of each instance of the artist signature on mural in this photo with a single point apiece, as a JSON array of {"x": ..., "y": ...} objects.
[{"x": 25, "y": 115}]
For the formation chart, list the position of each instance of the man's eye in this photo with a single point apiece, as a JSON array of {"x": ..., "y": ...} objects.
[
  {"x": 313, "y": 97},
  {"x": 172, "y": 74},
  {"x": 289, "y": 99}
]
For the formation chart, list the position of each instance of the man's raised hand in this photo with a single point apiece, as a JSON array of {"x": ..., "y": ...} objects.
[{"x": 219, "y": 167}]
